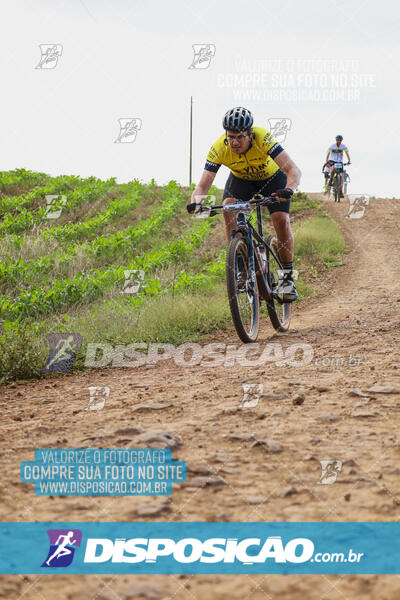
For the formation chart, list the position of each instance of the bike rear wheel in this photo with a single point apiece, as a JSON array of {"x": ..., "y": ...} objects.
[
  {"x": 242, "y": 293},
  {"x": 279, "y": 312}
]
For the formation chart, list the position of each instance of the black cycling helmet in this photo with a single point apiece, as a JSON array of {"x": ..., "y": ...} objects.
[
  {"x": 237, "y": 119},
  {"x": 339, "y": 138}
]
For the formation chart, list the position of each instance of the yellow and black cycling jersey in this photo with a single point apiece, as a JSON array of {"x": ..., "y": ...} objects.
[{"x": 256, "y": 164}]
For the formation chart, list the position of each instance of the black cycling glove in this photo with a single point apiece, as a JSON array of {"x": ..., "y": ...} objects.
[
  {"x": 191, "y": 207},
  {"x": 286, "y": 193}
]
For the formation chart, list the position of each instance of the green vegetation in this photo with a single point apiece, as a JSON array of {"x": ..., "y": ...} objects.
[
  {"x": 301, "y": 203},
  {"x": 18, "y": 180},
  {"x": 69, "y": 277},
  {"x": 319, "y": 240},
  {"x": 24, "y": 219}
]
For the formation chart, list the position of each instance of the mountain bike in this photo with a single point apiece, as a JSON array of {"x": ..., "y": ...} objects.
[
  {"x": 247, "y": 283},
  {"x": 337, "y": 183}
]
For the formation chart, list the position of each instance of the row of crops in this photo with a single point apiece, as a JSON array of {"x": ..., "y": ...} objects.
[{"x": 94, "y": 249}]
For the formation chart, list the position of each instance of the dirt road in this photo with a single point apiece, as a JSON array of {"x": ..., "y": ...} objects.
[{"x": 353, "y": 327}]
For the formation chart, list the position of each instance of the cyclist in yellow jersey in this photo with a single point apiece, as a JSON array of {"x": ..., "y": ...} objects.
[{"x": 258, "y": 165}]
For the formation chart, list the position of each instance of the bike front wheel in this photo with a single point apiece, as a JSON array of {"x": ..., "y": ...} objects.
[
  {"x": 338, "y": 188},
  {"x": 242, "y": 292}
]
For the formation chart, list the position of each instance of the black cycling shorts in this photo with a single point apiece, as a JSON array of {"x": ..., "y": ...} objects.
[{"x": 245, "y": 190}]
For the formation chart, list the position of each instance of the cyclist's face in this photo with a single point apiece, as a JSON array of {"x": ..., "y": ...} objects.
[
  {"x": 338, "y": 142},
  {"x": 239, "y": 142}
]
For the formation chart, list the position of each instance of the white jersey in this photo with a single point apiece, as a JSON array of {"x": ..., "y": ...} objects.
[{"x": 336, "y": 152}]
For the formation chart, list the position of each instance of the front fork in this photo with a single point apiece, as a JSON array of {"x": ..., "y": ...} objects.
[
  {"x": 250, "y": 245},
  {"x": 242, "y": 224}
]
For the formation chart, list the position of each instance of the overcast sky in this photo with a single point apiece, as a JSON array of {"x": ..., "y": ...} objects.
[{"x": 325, "y": 67}]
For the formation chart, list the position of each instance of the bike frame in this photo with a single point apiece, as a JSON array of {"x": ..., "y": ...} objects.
[{"x": 250, "y": 233}]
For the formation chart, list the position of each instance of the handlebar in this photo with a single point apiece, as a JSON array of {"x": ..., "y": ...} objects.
[
  {"x": 327, "y": 164},
  {"x": 234, "y": 207}
]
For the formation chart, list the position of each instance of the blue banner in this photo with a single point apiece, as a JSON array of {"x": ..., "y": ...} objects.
[{"x": 192, "y": 548}]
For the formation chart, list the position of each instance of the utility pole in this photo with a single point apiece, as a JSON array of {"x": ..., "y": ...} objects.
[{"x": 191, "y": 138}]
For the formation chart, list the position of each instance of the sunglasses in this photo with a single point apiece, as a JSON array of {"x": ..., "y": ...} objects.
[{"x": 239, "y": 137}]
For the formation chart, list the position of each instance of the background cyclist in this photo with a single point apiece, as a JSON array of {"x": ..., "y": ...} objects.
[{"x": 334, "y": 155}]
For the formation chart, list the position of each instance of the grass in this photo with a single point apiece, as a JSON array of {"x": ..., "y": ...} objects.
[
  {"x": 22, "y": 350},
  {"x": 301, "y": 203},
  {"x": 187, "y": 315},
  {"x": 319, "y": 240}
]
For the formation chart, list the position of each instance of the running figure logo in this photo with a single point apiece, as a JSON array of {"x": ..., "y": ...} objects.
[
  {"x": 62, "y": 542},
  {"x": 50, "y": 55},
  {"x": 98, "y": 397},
  {"x": 208, "y": 201},
  {"x": 357, "y": 206},
  {"x": 128, "y": 129},
  {"x": 133, "y": 280},
  {"x": 283, "y": 286},
  {"x": 279, "y": 128},
  {"x": 251, "y": 394},
  {"x": 55, "y": 203},
  {"x": 330, "y": 470},
  {"x": 203, "y": 54},
  {"x": 63, "y": 347}
]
